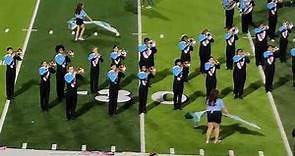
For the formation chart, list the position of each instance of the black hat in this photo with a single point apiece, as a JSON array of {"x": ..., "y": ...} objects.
[
  {"x": 176, "y": 61},
  {"x": 59, "y": 47}
]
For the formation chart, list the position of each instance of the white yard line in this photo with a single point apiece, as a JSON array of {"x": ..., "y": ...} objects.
[
  {"x": 25, "y": 44},
  {"x": 141, "y": 116},
  {"x": 273, "y": 105}
]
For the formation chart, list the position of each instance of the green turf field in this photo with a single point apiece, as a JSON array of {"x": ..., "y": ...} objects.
[
  {"x": 166, "y": 128},
  {"x": 93, "y": 126},
  {"x": 17, "y": 15},
  {"x": 283, "y": 91}
]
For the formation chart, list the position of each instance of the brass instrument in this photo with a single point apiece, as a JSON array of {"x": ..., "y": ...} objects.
[
  {"x": 234, "y": 30},
  {"x": 79, "y": 70},
  {"x": 122, "y": 52},
  {"x": 122, "y": 68},
  {"x": 152, "y": 70},
  {"x": 186, "y": 64},
  {"x": 264, "y": 27},
  {"x": 70, "y": 52},
  {"x": 51, "y": 64},
  {"x": 244, "y": 53},
  {"x": 152, "y": 43},
  {"x": 274, "y": 49},
  {"x": 18, "y": 52},
  {"x": 288, "y": 25}
]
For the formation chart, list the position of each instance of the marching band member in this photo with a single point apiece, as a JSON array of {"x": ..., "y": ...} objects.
[
  {"x": 10, "y": 60},
  {"x": 246, "y": 9},
  {"x": 260, "y": 43},
  {"x": 241, "y": 60},
  {"x": 114, "y": 76},
  {"x": 94, "y": 58},
  {"x": 186, "y": 46},
  {"x": 80, "y": 15},
  {"x": 292, "y": 52},
  {"x": 72, "y": 87},
  {"x": 269, "y": 66},
  {"x": 118, "y": 55},
  {"x": 61, "y": 60},
  {"x": 205, "y": 39},
  {"x": 285, "y": 29},
  {"x": 144, "y": 75},
  {"x": 210, "y": 67},
  {"x": 229, "y": 7},
  {"x": 45, "y": 71},
  {"x": 147, "y": 51},
  {"x": 272, "y": 18},
  {"x": 230, "y": 38},
  {"x": 178, "y": 84}
]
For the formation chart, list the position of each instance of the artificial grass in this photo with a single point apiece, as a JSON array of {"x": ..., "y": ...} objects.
[
  {"x": 283, "y": 92},
  {"x": 26, "y": 123},
  {"x": 17, "y": 14},
  {"x": 166, "y": 128}
]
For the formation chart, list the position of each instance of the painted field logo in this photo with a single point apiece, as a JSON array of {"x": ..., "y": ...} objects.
[
  {"x": 123, "y": 96},
  {"x": 166, "y": 97}
]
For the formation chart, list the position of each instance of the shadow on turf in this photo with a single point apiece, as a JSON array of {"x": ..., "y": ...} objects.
[
  {"x": 152, "y": 106},
  {"x": 194, "y": 74},
  {"x": 131, "y": 6},
  {"x": 127, "y": 105},
  {"x": 252, "y": 87},
  {"x": 224, "y": 92},
  {"x": 25, "y": 86},
  {"x": 126, "y": 81},
  {"x": 54, "y": 103},
  {"x": 85, "y": 108},
  {"x": 228, "y": 130},
  {"x": 152, "y": 13},
  {"x": 193, "y": 97},
  {"x": 282, "y": 81},
  {"x": 160, "y": 75}
]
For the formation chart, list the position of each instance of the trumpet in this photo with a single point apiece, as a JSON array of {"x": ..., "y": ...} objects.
[
  {"x": 18, "y": 52},
  {"x": 122, "y": 68},
  {"x": 152, "y": 43},
  {"x": 234, "y": 30},
  {"x": 244, "y": 53},
  {"x": 186, "y": 64},
  {"x": 70, "y": 52},
  {"x": 152, "y": 70},
  {"x": 123, "y": 52},
  {"x": 264, "y": 27},
  {"x": 192, "y": 41},
  {"x": 51, "y": 64},
  {"x": 79, "y": 70},
  {"x": 288, "y": 25},
  {"x": 274, "y": 49}
]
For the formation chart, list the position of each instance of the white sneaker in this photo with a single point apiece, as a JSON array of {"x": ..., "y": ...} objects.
[
  {"x": 81, "y": 39},
  {"x": 76, "y": 39}
]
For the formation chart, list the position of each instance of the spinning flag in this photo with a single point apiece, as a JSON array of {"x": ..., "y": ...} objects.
[
  {"x": 72, "y": 25},
  {"x": 196, "y": 118},
  {"x": 237, "y": 118}
]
